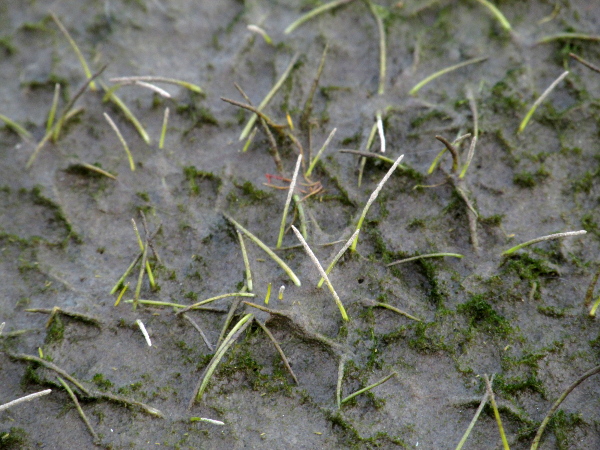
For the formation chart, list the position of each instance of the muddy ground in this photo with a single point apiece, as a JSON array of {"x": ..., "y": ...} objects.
[{"x": 66, "y": 234}]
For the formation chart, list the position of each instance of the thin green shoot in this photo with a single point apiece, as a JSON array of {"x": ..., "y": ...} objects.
[
  {"x": 565, "y": 36},
  {"x": 218, "y": 297},
  {"x": 79, "y": 410},
  {"x": 227, "y": 342},
  {"x": 370, "y": 155},
  {"x": 140, "y": 280},
  {"x": 301, "y": 215},
  {"x": 484, "y": 401},
  {"x": 269, "y": 96},
  {"x": 121, "y": 294},
  {"x": 25, "y": 398},
  {"x": 316, "y": 262},
  {"x": 97, "y": 169},
  {"x": 52, "y": 113},
  {"x": 429, "y": 255},
  {"x": 266, "y": 249},
  {"x": 159, "y": 303},
  {"x": 82, "y": 61},
  {"x": 339, "y": 254},
  {"x": 512, "y": 250},
  {"x": 20, "y": 130},
  {"x": 314, "y": 12},
  {"x": 279, "y": 297},
  {"x": 538, "y": 102},
  {"x": 473, "y": 106},
  {"x": 122, "y": 139},
  {"x": 127, "y": 112},
  {"x": 268, "y": 294},
  {"x": 142, "y": 247},
  {"x": 313, "y": 163},
  {"x": 376, "y": 11},
  {"x": 125, "y": 274},
  {"x": 497, "y": 14},
  {"x": 594, "y": 307},
  {"x": 249, "y": 140},
  {"x": 262, "y": 32},
  {"x": 163, "y": 132},
  {"x": 373, "y": 197},
  {"x": 581, "y": 379},
  {"x": 368, "y": 388},
  {"x": 488, "y": 385},
  {"x": 363, "y": 161},
  {"x": 373, "y": 303},
  {"x": 288, "y": 201},
  {"x": 246, "y": 261},
  {"x": 149, "y": 78},
  {"x": 233, "y": 307},
  {"x": 439, "y": 73}
]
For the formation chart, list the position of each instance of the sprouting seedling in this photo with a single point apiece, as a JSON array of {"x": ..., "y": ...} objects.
[
  {"x": 279, "y": 296},
  {"x": 268, "y": 97},
  {"x": 368, "y": 388},
  {"x": 115, "y": 128},
  {"x": 82, "y": 61},
  {"x": 316, "y": 262},
  {"x": 266, "y": 249},
  {"x": 205, "y": 420},
  {"x": 262, "y": 32},
  {"x": 313, "y": 163},
  {"x": 314, "y": 12},
  {"x": 539, "y": 101},
  {"x": 444, "y": 71},
  {"x": 163, "y": 131},
  {"x": 235, "y": 332},
  {"x": 288, "y": 201},
  {"x": 373, "y": 197},
  {"x": 512, "y": 250},
  {"x": 497, "y": 14}
]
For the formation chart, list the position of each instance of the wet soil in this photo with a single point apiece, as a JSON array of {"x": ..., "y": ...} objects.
[{"x": 66, "y": 234}]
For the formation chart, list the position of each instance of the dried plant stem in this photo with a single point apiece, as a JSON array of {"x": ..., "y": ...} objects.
[
  {"x": 379, "y": 123},
  {"x": 369, "y": 155},
  {"x": 314, "y": 12},
  {"x": 438, "y": 74},
  {"x": 279, "y": 350},
  {"x": 484, "y": 400},
  {"x": 587, "y": 64},
  {"x": 589, "y": 295},
  {"x": 26, "y": 398},
  {"x": 373, "y": 303},
  {"x": 339, "y": 254},
  {"x": 51, "y": 366},
  {"x": 150, "y": 78},
  {"x": 163, "y": 132},
  {"x": 340, "y": 379},
  {"x": 473, "y": 106},
  {"x": 113, "y": 125},
  {"x": 227, "y": 342},
  {"x": 197, "y": 327},
  {"x": 490, "y": 392},
  {"x": 429, "y": 255},
  {"x": 539, "y": 101},
  {"x": 368, "y": 388},
  {"x": 373, "y": 197},
  {"x": 82, "y": 61},
  {"x": 144, "y": 332},
  {"x": 540, "y": 432},
  {"x": 269, "y": 96},
  {"x": 212, "y": 299},
  {"x": 288, "y": 201},
  {"x": 316, "y": 262},
  {"x": 363, "y": 161},
  {"x": 543, "y": 238},
  {"x": 563, "y": 36},
  {"x": 453, "y": 152},
  {"x": 307, "y": 110},
  {"x": 267, "y": 250},
  {"x": 79, "y": 410},
  {"x": 97, "y": 170},
  {"x": 382, "y": 52},
  {"x": 313, "y": 163}
]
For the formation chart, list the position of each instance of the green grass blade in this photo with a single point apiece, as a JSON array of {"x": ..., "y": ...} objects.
[
  {"x": 16, "y": 127},
  {"x": 368, "y": 388},
  {"x": 288, "y": 201},
  {"x": 439, "y": 73},
  {"x": 538, "y": 102},
  {"x": 511, "y": 250},
  {"x": 314, "y": 12},
  {"x": 497, "y": 14}
]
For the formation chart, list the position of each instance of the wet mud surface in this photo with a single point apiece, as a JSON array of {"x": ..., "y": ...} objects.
[{"x": 66, "y": 235}]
